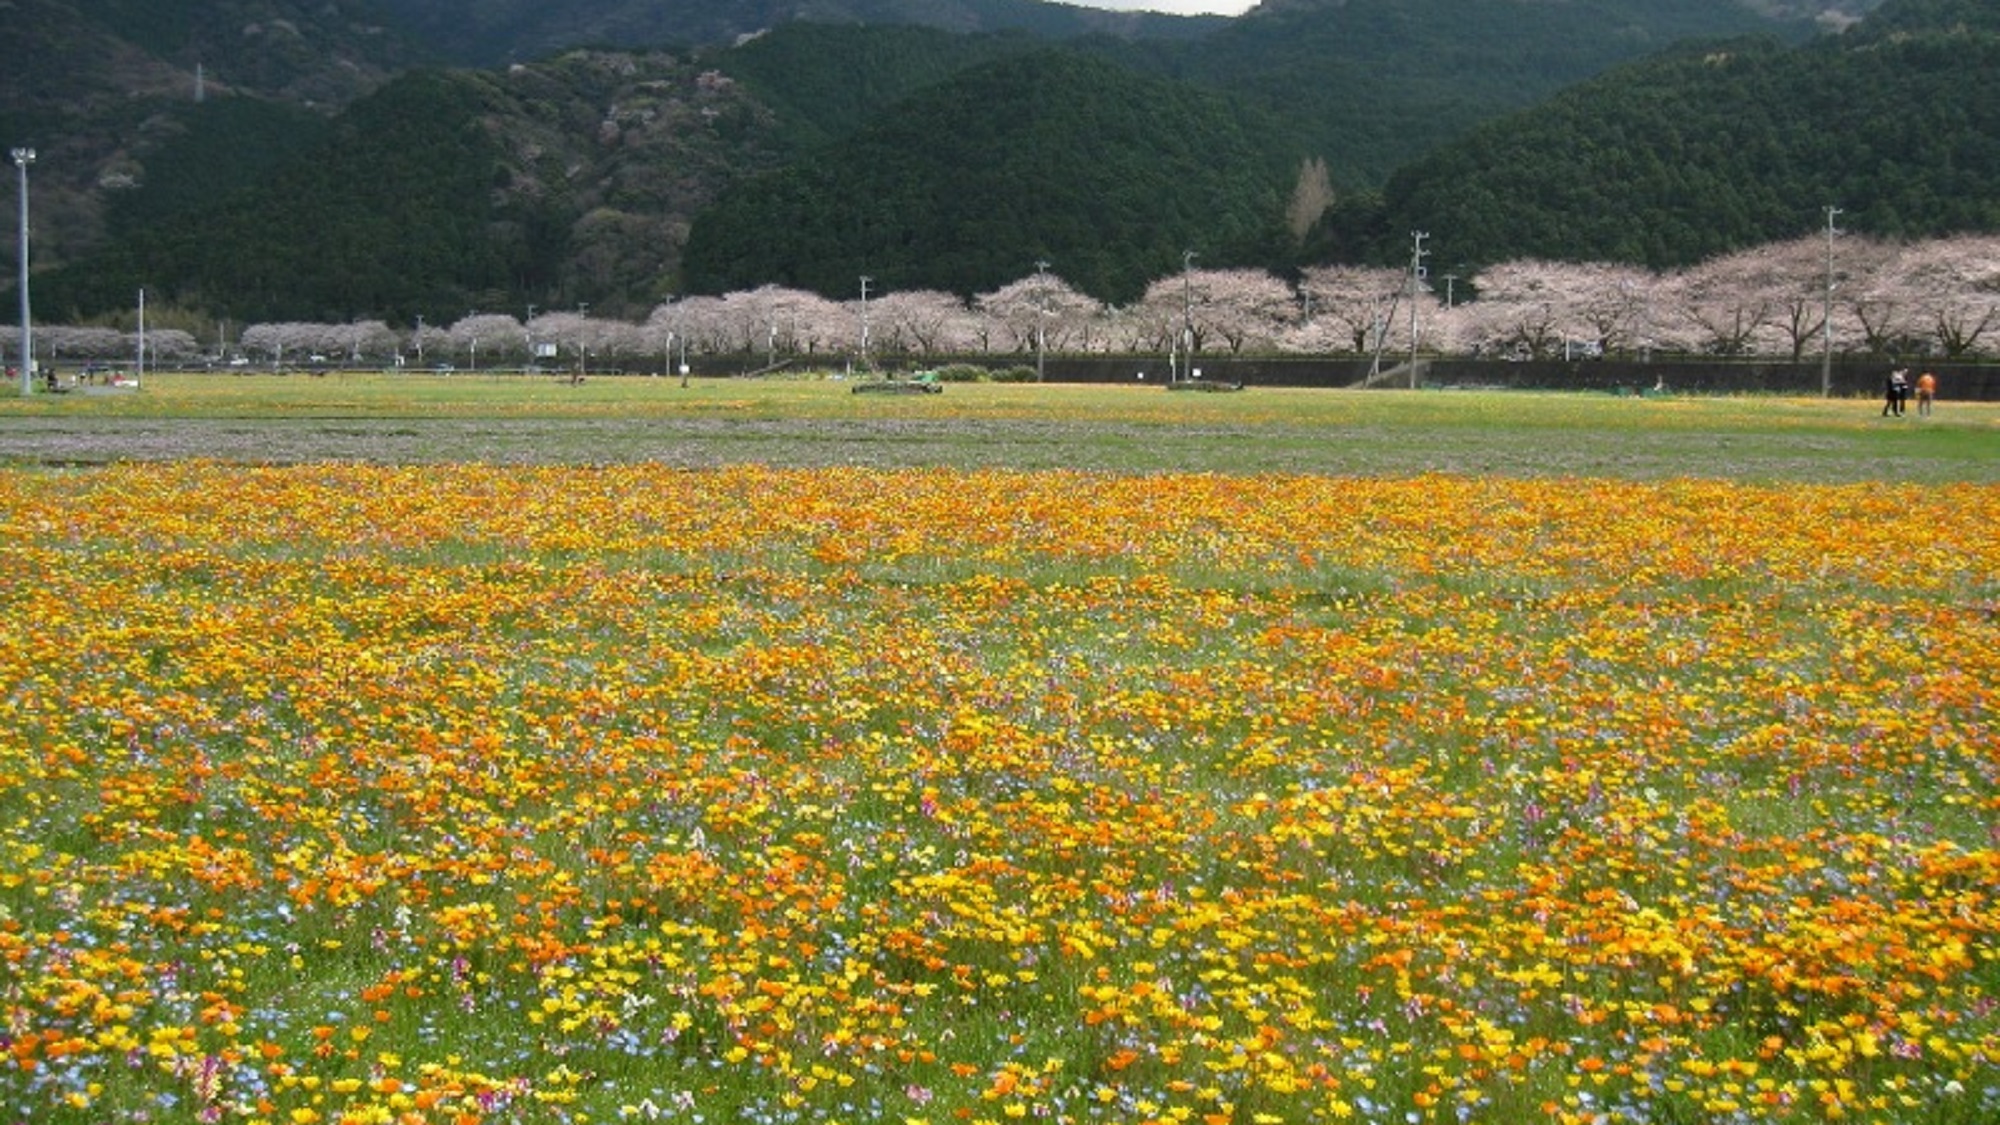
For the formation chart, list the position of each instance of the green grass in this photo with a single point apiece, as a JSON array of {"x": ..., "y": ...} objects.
[{"x": 802, "y": 422}]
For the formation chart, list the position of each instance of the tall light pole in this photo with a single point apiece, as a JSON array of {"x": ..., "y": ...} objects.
[
  {"x": 22, "y": 158},
  {"x": 865, "y": 279},
  {"x": 1187, "y": 314},
  {"x": 1417, "y": 256},
  {"x": 1826, "y": 311},
  {"x": 679, "y": 335},
  {"x": 1041, "y": 315}
]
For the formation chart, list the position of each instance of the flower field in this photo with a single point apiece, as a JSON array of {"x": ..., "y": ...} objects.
[{"x": 459, "y": 794}]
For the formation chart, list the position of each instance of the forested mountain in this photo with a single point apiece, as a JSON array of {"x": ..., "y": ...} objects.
[
  {"x": 1371, "y": 84},
  {"x": 303, "y": 186},
  {"x": 825, "y": 82},
  {"x": 1109, "y": 173},
  {"x": 1896, "y": 122},
  {"x": 94, "y": 85},
  {"x": 493, "y": 32},
  {"x": 442, "y": 192}
]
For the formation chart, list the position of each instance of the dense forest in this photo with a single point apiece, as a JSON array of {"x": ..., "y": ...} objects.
[
  {"x": 1371, "y": 84},
  {"x": 1723, "y": 146},
  {"x": 1646, "y": 131},
  {"x": 486, "y": 33},
  {"x": 398, "y": 234},
  {"x": 1110, "y": 173}
]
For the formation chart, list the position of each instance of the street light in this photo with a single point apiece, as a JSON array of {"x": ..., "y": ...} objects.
[
  {"x": 1041, "y": 315},
  {"x": 22, "y": 158},
  {"x": 865, "y": 279},
  {"x": 1827, "y": 309},
  {"x": 1417, "y": 274},
  {"x": 1187, "y": 316}
]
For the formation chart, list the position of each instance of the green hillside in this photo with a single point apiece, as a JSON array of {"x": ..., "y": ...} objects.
[
  {"x": 921, "y": 156},
  {"x": 1108, "y": 173},
  {"x": 1372, "y": 84},
  {"x": 825, "y": 82},
  {"x": 1731, "y": 145},
  {"x": 400, "y": 195},
  {"x": 495, "y": 32}
]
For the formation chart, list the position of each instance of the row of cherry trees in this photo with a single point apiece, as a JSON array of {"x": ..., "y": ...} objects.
[{"x": 1932, "y": 298}]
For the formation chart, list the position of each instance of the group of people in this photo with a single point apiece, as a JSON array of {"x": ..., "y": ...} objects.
[{"x": 1899, "y": 392}]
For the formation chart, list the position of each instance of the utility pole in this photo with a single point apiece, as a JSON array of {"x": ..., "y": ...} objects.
[
  {"x": 139, "y": 371},
  {"x": 1041, "y": 316},
  {"x": 1417, "y": 256},
  {"x": 22, "y": 158},
  {"x": 865, "y": 279},
  {"x": 1826, "y": 311},
  {"x": 1187, "y": 314}
]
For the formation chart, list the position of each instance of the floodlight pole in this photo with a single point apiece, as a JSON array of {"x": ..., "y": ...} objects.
[
  {"x": 1187, "y": 315},
  {"x": 22, "y": 158},
  {"x": 1417, "y": 256},
  {"x": 1041, "y": 316},
  {"x": 1826, "y": 311},
  {"x": 865, "y": 279}
]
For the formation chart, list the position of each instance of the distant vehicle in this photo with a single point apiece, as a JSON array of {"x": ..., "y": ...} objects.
[
  {"x": 240, "y": 361},
  {"x": 445, "y": 369},
  {"x": 921, "y": 383},
  {"x": 315, "y": 358}
]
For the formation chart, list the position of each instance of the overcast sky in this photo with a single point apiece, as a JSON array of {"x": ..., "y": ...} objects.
[{"x": 1179, "y": 7}]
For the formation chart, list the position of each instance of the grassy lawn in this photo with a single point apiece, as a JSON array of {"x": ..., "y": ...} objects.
[{"x": 412, "y": 419}]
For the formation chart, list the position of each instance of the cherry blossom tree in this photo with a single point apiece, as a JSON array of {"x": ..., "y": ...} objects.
[
  {"x": 1352, "y": 302},
  {"x": 1195, "y": 306},
  {"x": 1244, "y": 308},
  {"x": 496, "y": 334},
  {"x": 1063, "y": 313},
  {"x": 1727, "y": 301},
  {"x": 57, "y": 342},
  {"x": 702, "y": 324},
  {"x": 1610, "y": 306},
  {"x": 566, "y": 332},
  {"x": 916, "y": 321},
  {"x": 278, "y": 341},
  {"x": 1954, "y": 289},
  {"x": 360, "y": 338},
  {"x": 435, "y": 340},
  {"x": 578, "y": 338},
  {"x": 1875, "y": 299},
  {"x": 1522, "y": 309},
  {"x": 170, "y": 345},
  {"x": 1793, "y": 274}
]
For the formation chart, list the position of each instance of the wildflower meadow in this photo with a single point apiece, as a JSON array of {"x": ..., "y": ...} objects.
[{"x": 474, "y": 793}]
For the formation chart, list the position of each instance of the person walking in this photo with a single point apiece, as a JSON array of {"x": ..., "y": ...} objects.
[
  {"x": 1899, "y": 384},
  {"x": 1926, "y": 391}
]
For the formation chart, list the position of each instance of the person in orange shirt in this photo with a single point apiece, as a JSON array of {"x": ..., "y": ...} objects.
[{"x": 1926, "y": 391}]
